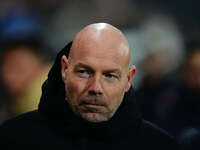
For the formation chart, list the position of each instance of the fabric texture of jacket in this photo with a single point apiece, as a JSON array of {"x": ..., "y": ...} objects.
[{"x": 54, "y": 126}]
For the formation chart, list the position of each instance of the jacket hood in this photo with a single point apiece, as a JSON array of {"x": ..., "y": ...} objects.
[{"x": 54, "y": 105}]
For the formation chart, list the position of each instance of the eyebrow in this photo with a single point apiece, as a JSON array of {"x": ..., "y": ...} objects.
[
  {"x": 117, "y": 71},
  {"x": 81, "y": 65}
]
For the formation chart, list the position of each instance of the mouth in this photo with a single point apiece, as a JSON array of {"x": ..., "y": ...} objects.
[{"x": 92, "y": 106}]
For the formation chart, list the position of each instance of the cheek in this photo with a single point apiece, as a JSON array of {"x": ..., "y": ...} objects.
[
  {"x": 74, "y": 89},
  {"x": 115, "y": 95}
]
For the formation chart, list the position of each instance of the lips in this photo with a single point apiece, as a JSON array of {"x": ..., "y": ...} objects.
[
  {"x": 96, "y": 101},
  {"x": 92, "y": 103},
  {"x": 93, "y": 106}
]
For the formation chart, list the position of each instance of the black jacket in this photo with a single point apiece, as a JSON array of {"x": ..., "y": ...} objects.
[{"x": 54, "y": 126}]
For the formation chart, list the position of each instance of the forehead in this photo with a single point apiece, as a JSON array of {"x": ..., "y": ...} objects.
[
  {"x": 105, "y": 48},
  {"x": 104, "y": 56},
  {"x": 99, "y": 61}
]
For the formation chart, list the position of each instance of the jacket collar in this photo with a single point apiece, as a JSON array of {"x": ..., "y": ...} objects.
[{"x": 55, "y": 107}]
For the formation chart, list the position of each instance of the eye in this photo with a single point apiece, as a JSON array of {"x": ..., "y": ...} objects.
[
  {"x": 83, "y": 73},
  {"x": 111, "y": 76}
]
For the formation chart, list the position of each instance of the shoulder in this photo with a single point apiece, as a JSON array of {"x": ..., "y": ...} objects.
[
  {"x": 150, "y": 134},
  {"x": 22, "y": 124},
  {"x": 32, "y": 116},
  {"x": 28, "y": 129},
  {"x": 152, "y": 130}
]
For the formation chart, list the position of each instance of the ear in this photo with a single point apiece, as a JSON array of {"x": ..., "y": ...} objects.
[
  {"x": 130, "y": 76},
  {"x": 64, "y": 66}
]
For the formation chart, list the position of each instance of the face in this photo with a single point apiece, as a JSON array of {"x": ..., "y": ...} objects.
[
  {"x": 96, "y": 77},
  {"x": 18, "y": 68},
  {"x": 193, "y": 70}
]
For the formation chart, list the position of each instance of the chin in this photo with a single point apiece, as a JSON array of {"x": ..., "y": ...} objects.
[{"x": 94, "y": 117}]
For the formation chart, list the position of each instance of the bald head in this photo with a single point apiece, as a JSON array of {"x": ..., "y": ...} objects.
[{"x": 101, "y": 38}]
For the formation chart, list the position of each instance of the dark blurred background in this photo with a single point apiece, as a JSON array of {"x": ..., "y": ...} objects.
[{"x": 164, "y": 38}]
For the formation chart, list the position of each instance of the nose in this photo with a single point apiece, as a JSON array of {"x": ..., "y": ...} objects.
[{"x": 95, "y": 87}]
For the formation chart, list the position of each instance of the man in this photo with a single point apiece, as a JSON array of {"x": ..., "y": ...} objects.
[
  {"x": 23, "y": 76},
  {"x": 87, "y": 101}
]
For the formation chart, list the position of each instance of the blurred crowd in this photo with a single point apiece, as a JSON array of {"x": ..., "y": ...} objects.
[{"x": 165, "y": 50}]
